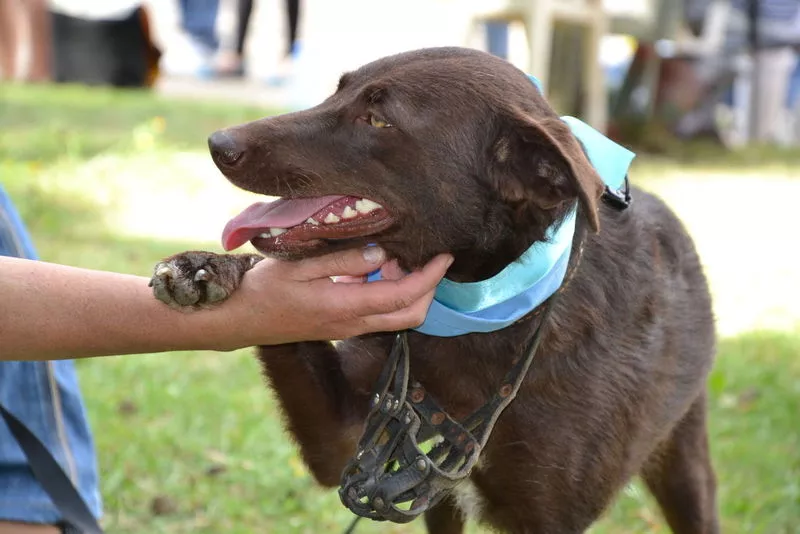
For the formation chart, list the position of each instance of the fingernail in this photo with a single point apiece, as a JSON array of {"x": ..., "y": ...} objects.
[
  {"x": 373, "y": 255},
  {"x": 450, "y": 261}
]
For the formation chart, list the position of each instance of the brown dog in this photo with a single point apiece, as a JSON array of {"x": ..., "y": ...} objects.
[{"x": 456, "y": 151}]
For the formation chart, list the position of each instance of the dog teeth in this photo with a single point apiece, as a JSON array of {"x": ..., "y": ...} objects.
[
  {"x": 264, "y": 236},
  {"x": 331, "y": 219},
  {"x": 349, "y": 213},
  {"x": 313, "y": 221},
  {"x": 275, "y": 232},
  {"x": 366, "y": 205}
]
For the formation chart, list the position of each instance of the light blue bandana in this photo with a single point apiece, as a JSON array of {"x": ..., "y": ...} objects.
[{"x": 495, "y": 303}]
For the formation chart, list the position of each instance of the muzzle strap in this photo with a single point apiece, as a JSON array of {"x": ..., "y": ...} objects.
[{"x": 411, "y": 451}]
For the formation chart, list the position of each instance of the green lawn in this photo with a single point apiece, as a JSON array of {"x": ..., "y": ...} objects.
[{"x": 192, "y": 442}]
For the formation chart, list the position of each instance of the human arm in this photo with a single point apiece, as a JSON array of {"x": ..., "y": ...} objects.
[{"x": 53, "y": 311}]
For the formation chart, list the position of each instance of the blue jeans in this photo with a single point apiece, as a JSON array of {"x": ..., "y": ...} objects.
[
  {"x": 45, "y": 396},
  {"x": 497, "y": 37},
  {"x": 793, "y": 96},
  {"x": 199, "y": 20}
]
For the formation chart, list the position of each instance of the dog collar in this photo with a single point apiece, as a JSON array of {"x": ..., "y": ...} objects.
[{"x": 499, "y": 301}]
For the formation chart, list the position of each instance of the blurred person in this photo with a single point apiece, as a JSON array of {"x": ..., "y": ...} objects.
[
  {"x": 103, "y": 43},
  {"x": 53, "y": 312},
  {"x": 231, "y": 59},
  {"x": 497, "y": 38},
  {"x": 198, "y": 20},
  {"x": 778, "y": 31},
  {"x": 792, "y": 134},
  {"x": 24, "y": 29},
  {"x": 778, "y": 22}
]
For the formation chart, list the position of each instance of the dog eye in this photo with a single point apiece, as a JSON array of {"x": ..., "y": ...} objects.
[{"x": 378, "y": 122}]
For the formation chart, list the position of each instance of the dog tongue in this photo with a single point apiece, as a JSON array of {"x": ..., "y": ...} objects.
[{"x": 261, "y": 216}]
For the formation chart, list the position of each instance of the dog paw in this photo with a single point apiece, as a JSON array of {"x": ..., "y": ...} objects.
[{"x": 198, "y": 279}]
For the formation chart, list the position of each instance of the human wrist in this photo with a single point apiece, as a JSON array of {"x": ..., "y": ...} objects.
[
  {"x": 235, "y": 324},
  {"x": 216, "y": 329}
]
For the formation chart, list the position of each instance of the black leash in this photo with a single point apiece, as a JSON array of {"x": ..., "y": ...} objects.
[
  {"x": 353, "y": 524},
  {"x": 77, "y": 518}
]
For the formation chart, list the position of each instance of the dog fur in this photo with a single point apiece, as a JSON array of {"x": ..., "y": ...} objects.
[{"x": 477, "y": 164}]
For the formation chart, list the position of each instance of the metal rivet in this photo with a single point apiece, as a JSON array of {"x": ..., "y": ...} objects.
[
  {"x": 470, "y": 446},
  {"x": 461, "y": 437},
  {"x": 437, "y": 418},
  {"x": 396, "y": 404},
  {"x": 377, "y": 502},
  {"x": 376, "y": 399},
  {"x": 417, "y": 395},
  {"x": 421, "y": 463},
  {"x": 505, "y": 391},
  {"x": 407, "y": 419},
  {"x": 359, "y": 454}
]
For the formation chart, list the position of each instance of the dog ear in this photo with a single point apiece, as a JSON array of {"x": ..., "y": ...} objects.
[{"x": 541, "y": 161}]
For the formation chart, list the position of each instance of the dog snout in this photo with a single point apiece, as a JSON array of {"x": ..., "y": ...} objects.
[{"x": 226, "y": 151}]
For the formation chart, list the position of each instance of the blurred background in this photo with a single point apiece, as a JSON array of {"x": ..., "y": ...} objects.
[{"x": 105, "y": 106}]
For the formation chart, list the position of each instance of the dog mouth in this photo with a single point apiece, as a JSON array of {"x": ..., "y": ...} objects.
[{"x": 291, "y": 225}]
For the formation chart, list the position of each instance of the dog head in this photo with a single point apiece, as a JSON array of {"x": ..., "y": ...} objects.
[{"x": 436, "y": 150}]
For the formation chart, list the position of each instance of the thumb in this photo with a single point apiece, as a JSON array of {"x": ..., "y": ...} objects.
[{"x": 354, "y": 262}]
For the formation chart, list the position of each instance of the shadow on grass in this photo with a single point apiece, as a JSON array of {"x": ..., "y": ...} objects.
[
  {"x": 46, "y": 123},
  {"x": 655, "y": 144},
  {"x": 700, "y": 156}
]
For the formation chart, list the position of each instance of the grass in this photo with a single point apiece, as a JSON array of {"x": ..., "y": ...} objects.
[{"x": 192, "y": 442}]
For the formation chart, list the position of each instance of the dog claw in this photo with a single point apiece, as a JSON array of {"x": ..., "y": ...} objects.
[{"x": 197, "y": 279}]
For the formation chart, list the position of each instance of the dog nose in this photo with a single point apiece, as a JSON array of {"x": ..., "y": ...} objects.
[{"x": 225, "y": 151}]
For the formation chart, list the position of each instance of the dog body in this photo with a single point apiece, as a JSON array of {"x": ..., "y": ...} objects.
[
  {"x": 466, "y": 157},
  {"x": 616, "y": 389}
]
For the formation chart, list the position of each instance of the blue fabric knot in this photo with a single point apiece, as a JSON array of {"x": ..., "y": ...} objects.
[{"x": 495, "y": 303}]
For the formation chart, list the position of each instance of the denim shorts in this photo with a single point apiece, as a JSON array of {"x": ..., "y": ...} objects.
[{"x": 46, "y": 397}]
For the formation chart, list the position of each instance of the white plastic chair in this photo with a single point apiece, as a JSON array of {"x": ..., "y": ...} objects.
[{"x": 539, "y": 18}]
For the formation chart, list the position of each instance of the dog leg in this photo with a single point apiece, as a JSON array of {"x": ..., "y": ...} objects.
[
  {"x": 444, "y": 518},
  {"x": 199, "y": 279},
  {"x": 325, "y": 412},
  {"x": 681, "y": 477}
]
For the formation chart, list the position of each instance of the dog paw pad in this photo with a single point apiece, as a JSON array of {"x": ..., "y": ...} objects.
[{"x": 186, "y": 282}]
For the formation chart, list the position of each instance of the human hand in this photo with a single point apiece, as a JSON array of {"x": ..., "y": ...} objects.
[{"x": 282, "y": 302}]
